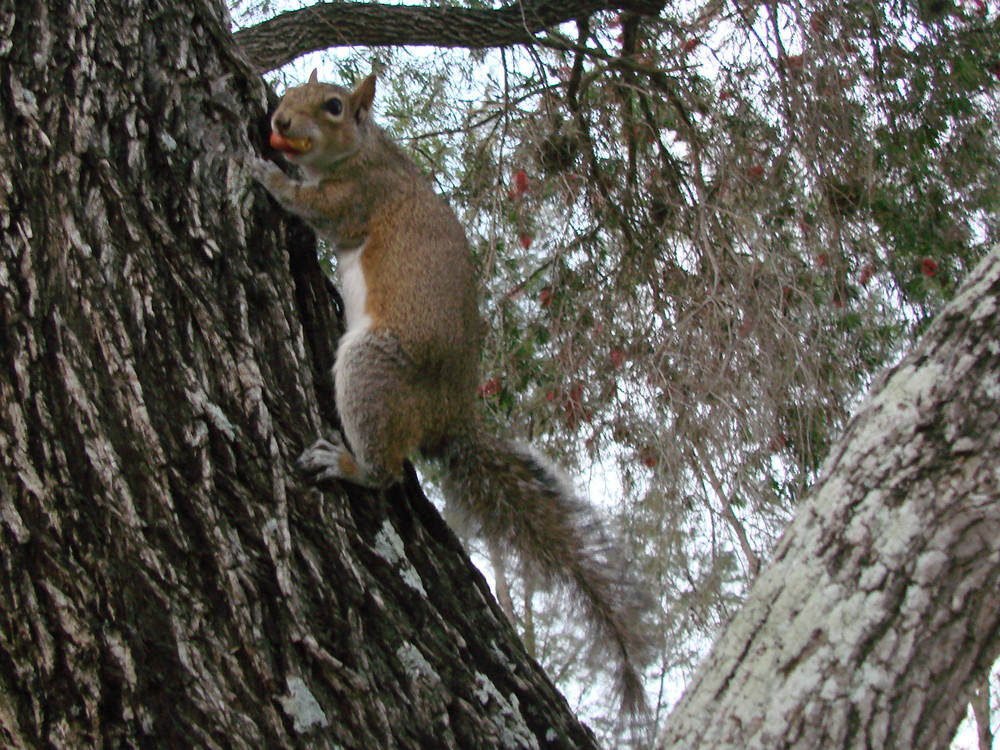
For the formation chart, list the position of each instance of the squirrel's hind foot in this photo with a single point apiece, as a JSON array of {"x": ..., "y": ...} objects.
[{"x": 326, "y": 460}]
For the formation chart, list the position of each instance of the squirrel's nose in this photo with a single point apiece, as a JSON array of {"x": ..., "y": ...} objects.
[{"x": 281, "y": 124}]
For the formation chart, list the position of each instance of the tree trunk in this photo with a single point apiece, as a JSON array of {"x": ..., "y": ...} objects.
[
  {"x": 165, "y": 343},
  {"x": 165, "y": 580},
  {"x": 880, "y": 611}
]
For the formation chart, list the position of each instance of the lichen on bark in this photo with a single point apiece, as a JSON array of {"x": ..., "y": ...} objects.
[{"x": 881, "y": 606}]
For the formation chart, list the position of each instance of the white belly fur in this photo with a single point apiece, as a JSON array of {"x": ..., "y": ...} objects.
[
  {"x": 353, "y": 289},
  {"x": 354, "y": 292}
]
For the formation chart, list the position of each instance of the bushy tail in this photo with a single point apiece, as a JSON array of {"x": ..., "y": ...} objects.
[{"x": 521, "y": 500}]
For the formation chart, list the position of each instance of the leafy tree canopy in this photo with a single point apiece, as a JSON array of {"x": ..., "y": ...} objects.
[{"x": 702, "y": 230}]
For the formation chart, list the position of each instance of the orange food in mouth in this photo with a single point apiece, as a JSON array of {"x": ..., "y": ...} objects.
[{"x": 290, "y": 145}]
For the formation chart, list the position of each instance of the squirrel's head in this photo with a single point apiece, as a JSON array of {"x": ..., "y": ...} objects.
[{"x": 317, "y": 125}]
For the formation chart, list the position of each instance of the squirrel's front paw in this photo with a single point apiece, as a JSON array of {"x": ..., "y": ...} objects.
[
  {"x": 264, "y": 171},
  {"x": 323, "y": 460}
]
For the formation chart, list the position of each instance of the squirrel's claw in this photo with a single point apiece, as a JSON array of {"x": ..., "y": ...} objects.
[
  {"x": 261, "y": 169},
  {"x": 321, "y": 460}
]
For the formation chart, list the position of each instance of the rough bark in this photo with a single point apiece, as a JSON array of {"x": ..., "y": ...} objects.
[
  {"x": 880, "y": 611},
  {"x": 165, "y": 339},
  {"x": 288, "y": 35},
  {"x": 980, "y": 702}
]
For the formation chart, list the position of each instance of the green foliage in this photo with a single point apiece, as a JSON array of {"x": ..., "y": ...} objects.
[{"x": 701, "y": 236}]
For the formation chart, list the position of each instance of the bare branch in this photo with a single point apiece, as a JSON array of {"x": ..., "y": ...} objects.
[
  {"x": 281, "y": 39},
  {"x": 981, "y": 710}
]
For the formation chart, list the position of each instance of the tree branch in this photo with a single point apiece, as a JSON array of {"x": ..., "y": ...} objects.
[
  {"x": 981, "y": 710},
  {"x": 840, "y": 642},
  {"x": 281, "y": 39}
]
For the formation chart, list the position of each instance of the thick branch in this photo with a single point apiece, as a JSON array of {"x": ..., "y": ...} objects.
[
  {"x": 281, "y": 39},
  {"x": 882, "y": 604}
]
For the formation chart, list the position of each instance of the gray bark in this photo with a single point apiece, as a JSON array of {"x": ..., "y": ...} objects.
[
  {"x": 980, "y": 702},
  {"x": 165, "y": 342},
  {"x": 880, "y": 611},
  {"x": 288, "y": 35},
  {"x": 166, "y": 581}
]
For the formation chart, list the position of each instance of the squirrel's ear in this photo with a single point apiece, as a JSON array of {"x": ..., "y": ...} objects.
[
  {"x": 314, "y": 76},
  {"x": 362, "y": 98}
]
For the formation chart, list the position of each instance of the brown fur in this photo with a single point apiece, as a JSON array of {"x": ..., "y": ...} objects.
[{"x": 407, "y": 368}]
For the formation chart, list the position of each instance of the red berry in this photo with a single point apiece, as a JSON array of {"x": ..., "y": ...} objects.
[
  {"x": 521, "y": 185},
  {"x": 545, "y": 296},
  {"x": 928, "y": 267},
  {"x": 818, "y": 23},
  {"x": 866, "y": 274},
  {"x": 786, "y": 297},
  {"x": 489, "y": 388},
  {"x": 573, "y": 407},
  {"x": 794, "y": 63}
]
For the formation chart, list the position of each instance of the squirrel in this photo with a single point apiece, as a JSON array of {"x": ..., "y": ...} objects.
[{"x": 406, "y": 368}]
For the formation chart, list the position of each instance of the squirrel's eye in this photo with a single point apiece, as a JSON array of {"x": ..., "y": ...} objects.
[{"x": 334, "y": 106}]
